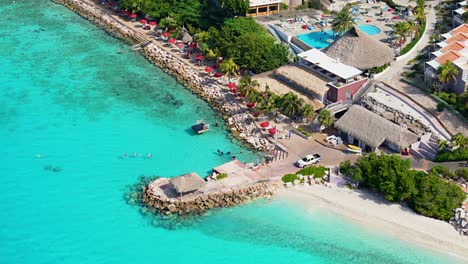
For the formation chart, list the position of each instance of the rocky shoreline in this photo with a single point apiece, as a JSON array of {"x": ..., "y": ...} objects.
[
  {"x": 199, "y": 203},
  {"x": 208, "y": 89}
]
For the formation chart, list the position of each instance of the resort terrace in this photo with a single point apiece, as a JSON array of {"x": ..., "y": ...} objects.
[{"x": 328, "y": 67}]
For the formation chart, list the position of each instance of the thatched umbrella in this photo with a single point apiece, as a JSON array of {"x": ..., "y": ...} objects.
[
  {"x": 359, "y": 50},
  {"x": 187, "y": 183}
]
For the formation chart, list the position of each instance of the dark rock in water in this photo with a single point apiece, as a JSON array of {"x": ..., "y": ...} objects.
[
  {"x": 48, "y": 167},
  {"x": 56, "y": 169}
]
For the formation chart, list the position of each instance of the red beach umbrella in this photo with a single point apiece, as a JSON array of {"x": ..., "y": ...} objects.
[
  {"x": 165, "y": 34},
  {"x": 172, "y": 40},
  {"x": 180, "y": 45},
  {"x": 132, "y": 16},
  {"x": 390, "y": 10},
  {"x": 200, "y": 57},
  {"x": 111, "y": 4},
  {"x": 143, "y": 21},
  {"x": 250, "y": 105},
  {"x": 234, "y": 90},
  {"x": 368, "y": 21},
  {"x": 218, "y": 74},
  {"x": 272, "y": 131},
  {"x": 231, "y": 85},
  {"x": 394, "y": 17},
  {"x": 208, "y": 69},
  {"x": 153, "y": 23},
  {"x": 264, "y": 124},
  {"x": 127, "y": 13}
]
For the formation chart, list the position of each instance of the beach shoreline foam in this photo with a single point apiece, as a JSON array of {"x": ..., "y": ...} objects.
[{"x": 374, "y": 212}]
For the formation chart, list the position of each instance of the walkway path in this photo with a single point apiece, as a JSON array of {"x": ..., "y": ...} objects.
[{"x": 392, "y": 77}]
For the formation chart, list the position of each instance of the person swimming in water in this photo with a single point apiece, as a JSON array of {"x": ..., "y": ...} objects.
[{"x": 149, "y": 155}]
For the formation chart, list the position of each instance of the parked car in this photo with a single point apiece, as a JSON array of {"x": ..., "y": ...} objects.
[
  {"x": 308, "y": 160},
  {"x": 330, "y": 138},
  {"x": 334, "y": 140}
]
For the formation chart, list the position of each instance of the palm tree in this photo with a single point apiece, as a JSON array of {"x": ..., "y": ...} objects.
[
  {"x": 448, "y": 72},
  {"x": 229, "y": 66},
  {"x": 291, "y": 104},
  {"x": 409, "y": 27},
  {"x": 343, "y": 21},
  {"x": 325, "y": 118},
  {"x": 443, "y": 144},
  {"x": 254, "y": 96},
  {"x": 401, "y": 29},
  {"x": 247, "y": 85},
  {"x": 268, "y": 105},
  {"x": 307, "y": 111},
  {"x": 460, "y": 140}
]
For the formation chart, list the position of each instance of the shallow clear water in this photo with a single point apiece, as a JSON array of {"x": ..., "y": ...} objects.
[
  {"x": 68, "y": 97},
  {"x": 321, "y": 40}
]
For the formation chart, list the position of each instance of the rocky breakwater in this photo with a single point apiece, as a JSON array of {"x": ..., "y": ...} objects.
[
  {"x": 460, "y": 221},
  {"x": 99, "y": 17},
  {"x": 207, "y": 88},
  {"x": 199, "y": 203}
]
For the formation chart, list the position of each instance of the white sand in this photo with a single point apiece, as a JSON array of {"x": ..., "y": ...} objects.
[{"x": 374, "y": 212}]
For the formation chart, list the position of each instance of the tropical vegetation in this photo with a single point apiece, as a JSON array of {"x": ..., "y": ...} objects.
[
  {"x": 325, "y": 118},
  {"x": 343, "y": 21},
  {"x": 456, "y": 151},
  {"x": 457, "y": 101},
  {"x": 220, "y": 27},
  {"x": 420, "y": 26},
  {"x": 391, "y": 176},
  {"x": 447, "y": 72}
]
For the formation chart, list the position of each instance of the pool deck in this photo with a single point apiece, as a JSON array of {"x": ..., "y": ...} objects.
[{"x": 384, "y": 22}]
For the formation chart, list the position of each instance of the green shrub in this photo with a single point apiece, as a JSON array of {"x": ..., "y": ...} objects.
[
  {"x": 463, "y": 173},
  {"x": 440, "y": 106},
  {"x": 289, "y": 178},
  {"x": 315, "y": 171},
  {"x": 448, "y": 155},
  {"x": 301, "y": 130},
  {"x": 412, "y": 74},
  {"x": 283, "y": 6},
  {"x": 426, "y": 194},
  {"x": 379, "y": 69},
  {"x": 221, "y": 176}
]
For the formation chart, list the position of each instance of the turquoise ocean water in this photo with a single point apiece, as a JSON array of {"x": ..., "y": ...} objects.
[{"x": 67, "y": 96}]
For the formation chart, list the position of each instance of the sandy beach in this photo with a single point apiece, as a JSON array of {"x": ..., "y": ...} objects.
[{"x": 374, "y": 212}]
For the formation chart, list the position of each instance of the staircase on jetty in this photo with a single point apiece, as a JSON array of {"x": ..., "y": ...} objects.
[
  {"x": 139, "y": 46},
  {"x": 426, "y": 148},
  {"x": 278, "y": 153}
]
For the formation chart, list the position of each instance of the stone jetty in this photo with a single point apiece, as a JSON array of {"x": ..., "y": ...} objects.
[
  {"x": 207, "y": 88},
  {"x": 199, "y": 202}
]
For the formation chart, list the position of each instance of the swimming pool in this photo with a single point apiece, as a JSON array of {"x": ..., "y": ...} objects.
[
  {"x": 317, "y": 39},
  {"x": 321, "y": 40},
  {"x": 369, "y": 29}
]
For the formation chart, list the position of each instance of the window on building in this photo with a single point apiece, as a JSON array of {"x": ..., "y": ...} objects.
[
  {"x": 262, "y": 10},
  {"x": 273, "y": 8}
]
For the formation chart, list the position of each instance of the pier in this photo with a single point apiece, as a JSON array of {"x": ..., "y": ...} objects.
[{"x": 190, "y": 194}]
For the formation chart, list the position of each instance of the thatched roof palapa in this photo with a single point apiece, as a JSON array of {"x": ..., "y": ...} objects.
[
  {"x": 372, "y": 129},
  {"x": 186, "y": 38},
  {"x": 359, "y": 50},
  {"x": 304, "y": 80},
  {"x": 187, "y": 183}
]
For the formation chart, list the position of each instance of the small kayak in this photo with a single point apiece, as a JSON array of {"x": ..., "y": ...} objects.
[{"x": 354, "y": 147}]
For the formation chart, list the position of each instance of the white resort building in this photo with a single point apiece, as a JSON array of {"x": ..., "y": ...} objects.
[
  {"x": 455, "y": 49},
  {"x": 343, "y": 81},
  {"x": 263, "y": 7},
  {"x": 458, "y": 13}
]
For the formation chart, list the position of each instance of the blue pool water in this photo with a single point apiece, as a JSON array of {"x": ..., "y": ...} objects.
[
  {"x": 321, "y": 40},
  {"x": 369, "y": 29},
  {"x": 68, "y": 96}
]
